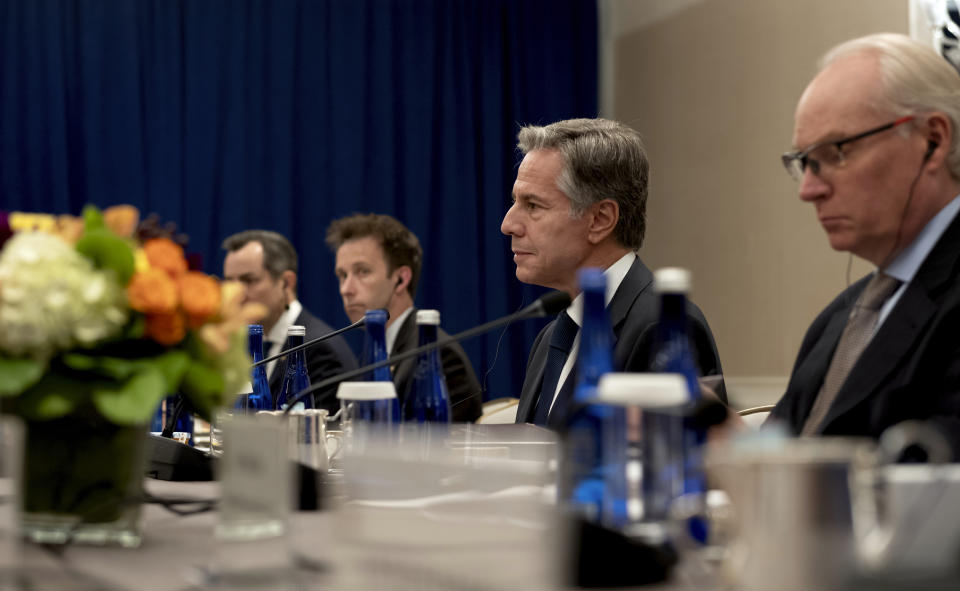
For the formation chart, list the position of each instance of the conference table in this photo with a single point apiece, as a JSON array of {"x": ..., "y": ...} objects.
[{"x": 492, "y": 527}]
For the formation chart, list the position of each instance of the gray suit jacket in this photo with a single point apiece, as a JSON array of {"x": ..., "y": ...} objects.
[{"x": 634, "y": 316}]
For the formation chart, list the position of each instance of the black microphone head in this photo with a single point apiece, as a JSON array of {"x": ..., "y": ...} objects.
[{"x": 551, "y": 303}]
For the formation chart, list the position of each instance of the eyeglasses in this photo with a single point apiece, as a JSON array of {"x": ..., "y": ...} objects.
[{"x": 829, "y": 153}]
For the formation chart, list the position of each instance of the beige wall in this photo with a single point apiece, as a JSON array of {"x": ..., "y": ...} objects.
[{"x": 711, "y": 85}]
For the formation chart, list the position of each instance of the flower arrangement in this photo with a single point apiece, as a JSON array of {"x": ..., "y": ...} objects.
[{"x": 98, "y": 316}]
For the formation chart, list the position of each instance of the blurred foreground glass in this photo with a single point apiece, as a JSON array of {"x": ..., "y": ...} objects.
[
  {"x": 11, "y": 457},
  {"x": 476, "y": 512},
  {"x": 253, "y": 549}
]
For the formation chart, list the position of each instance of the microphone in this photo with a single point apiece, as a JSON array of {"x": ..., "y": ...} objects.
[
  {"x": 312, "y": 342},
  {"x": 547, "y": 305}
]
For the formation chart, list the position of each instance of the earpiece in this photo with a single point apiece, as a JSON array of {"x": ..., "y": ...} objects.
[{"x": 931, "y": 146}]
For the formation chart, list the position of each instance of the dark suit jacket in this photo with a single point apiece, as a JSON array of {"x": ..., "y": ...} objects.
[
  {"x": 909, "y": 370},
  {"x": 465, "y": 396},
  {"x": 634, "y": 316},
  {"x": 325, "y": 359}
]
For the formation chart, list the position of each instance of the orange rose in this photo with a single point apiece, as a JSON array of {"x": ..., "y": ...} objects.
[
  {"x": 152, "y": 292},
  {"x": 234, "y": 317},
  {"x": 122, "y": 219},
  {"x": 199, "y": 296},
  {"x": 165, "y": 254},
  {"x": 166, "y": 329}
]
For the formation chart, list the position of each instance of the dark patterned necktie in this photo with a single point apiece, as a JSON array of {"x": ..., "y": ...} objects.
[
  {"x": 856, "y": 335},
  {"x": 564, "y": 332}
]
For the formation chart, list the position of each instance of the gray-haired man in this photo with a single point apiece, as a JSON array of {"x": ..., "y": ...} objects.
[{"x": 580, "y": 201}]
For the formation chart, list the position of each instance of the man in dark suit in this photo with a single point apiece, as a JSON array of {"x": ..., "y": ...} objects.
[
  {"x": 266, "y": 264},
  {"x": 876, "y": 132},
  {"x": 378, "y": 262},
  {"x": 580, "y": 201}
]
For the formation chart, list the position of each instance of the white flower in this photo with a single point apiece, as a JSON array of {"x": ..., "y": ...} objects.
[{"x": 52, "y": 298}]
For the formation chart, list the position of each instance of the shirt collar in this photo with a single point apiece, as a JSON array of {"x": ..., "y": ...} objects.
[
  {"x": 614, "y": 274},
  {"x": 906, "y": 264},
  {"x": 278, "y": 334},
  {"x": 394, "y": 329}
]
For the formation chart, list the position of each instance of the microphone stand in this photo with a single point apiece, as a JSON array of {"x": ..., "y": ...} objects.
[
  {"x": 311, "y": 342},
  {"x": 550, "y": 303}
]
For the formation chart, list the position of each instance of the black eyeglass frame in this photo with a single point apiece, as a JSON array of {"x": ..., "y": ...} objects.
[{"x": 803, "y": 156}]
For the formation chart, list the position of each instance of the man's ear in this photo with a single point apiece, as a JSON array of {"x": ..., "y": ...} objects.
[
  {"x": 403, "y": 276},
  {"x": 289, "y": 279},
  {"x": 939, "y": 132},
  {"x": 604, "y": 216}
]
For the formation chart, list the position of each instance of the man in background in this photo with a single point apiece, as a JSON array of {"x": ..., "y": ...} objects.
[
  {"x": 378, "y": 262},
  {"x": 265, "y": 263},
  {"x": 877, "y": 156},
  {"x": 580, "y": 201}
]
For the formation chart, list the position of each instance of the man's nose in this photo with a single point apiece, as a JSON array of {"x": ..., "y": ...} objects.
[
  {"x": 812, "y": 186},
  {"x": 510, "y": 226},
  {"x": 346, "y": 286}
]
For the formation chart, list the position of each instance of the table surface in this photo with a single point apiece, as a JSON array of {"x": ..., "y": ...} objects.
[{"x": 182, "y": 552}]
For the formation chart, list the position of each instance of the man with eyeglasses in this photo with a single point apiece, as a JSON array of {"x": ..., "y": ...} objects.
[{"x": 877, "y": 156}]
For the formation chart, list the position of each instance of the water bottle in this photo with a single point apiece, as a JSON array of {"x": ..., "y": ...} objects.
[
  {"x": 674, "y": 466},
  {"x": 375, "y": 350},
  {"x": 593, "y": 483},
  {"x": 295, "y": 376},
  {"x": 428, "y": 400},
  {"x": 257, "y": 395}
]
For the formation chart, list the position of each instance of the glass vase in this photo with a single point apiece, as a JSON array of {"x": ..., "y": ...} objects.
[{"x": 83, "y": 482}]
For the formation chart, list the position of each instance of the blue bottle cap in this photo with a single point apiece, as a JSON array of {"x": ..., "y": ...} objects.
[
  {"x": 591, "y": 279},
  {"x": 378, "y": 316}
]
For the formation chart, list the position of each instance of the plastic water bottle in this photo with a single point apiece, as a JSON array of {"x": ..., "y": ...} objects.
[
  {"x": 295, "y": 377},
  {"x": 677, "y": 464},
  {"x": 428, "y": 400},
  {"x": 593, "y": 482},
  {"x": 258, "y": 395}
]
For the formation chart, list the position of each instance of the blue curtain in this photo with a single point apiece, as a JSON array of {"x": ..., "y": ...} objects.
[{"x": 284, "y": 114}]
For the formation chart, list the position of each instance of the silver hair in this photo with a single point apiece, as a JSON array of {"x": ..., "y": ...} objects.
[
  {"x": 603, "y": 159},
  {"x": 915, "y": 80}
]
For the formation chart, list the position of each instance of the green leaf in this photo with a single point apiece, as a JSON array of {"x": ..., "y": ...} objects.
[
  {"x": 16, "y": 375},
  {"x": 204, "y": 387},
  {"x": 114, "y": 368},
  {"x": 52, "y": 397},
  {"x": 133, "y": 401},
  {"x": 173, "y": 365},
  {"x": 107, "y": 251},
  {"x": 92, "y": 217}
]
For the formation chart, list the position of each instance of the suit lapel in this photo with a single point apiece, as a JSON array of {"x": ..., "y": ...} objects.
[
  {"x": 637, "y": 279},
  {"x": 406, "y": 340},
  {"x": 534, "y": 375}
]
